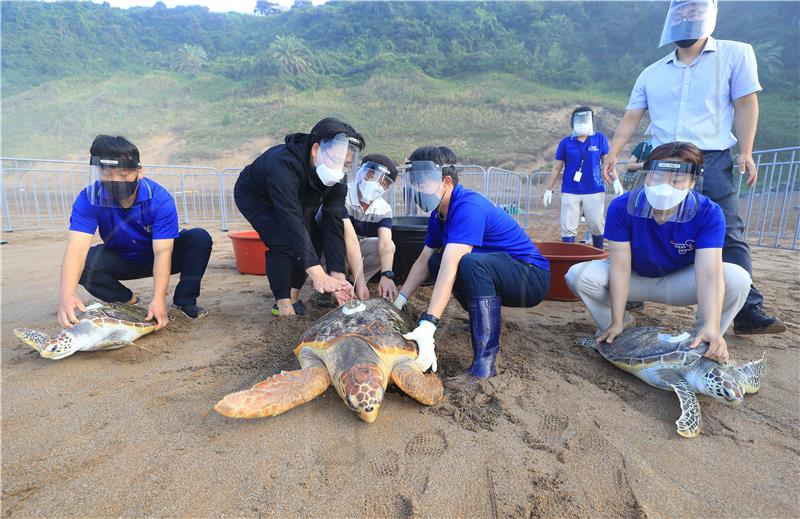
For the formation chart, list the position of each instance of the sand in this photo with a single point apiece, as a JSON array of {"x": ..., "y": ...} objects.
[{"x": 558, "y": 433}]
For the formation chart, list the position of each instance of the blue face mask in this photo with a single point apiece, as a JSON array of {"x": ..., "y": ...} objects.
[{"x": 427, "y": 202}]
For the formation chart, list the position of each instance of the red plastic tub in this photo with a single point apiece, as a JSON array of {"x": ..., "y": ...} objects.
[
  {"x": 562, "y": 256},
  {"x": 249, "y": 251}
]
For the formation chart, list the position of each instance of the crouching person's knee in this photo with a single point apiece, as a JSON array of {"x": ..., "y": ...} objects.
[
  {"x": 199, "y": 239},
  {"x": 737, "y": 280}
]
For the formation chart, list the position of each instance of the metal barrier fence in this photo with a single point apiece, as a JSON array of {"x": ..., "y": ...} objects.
[{"x": 38, "y": 193}]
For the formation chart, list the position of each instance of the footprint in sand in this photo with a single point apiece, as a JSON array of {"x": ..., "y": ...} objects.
[
  {"x": 427, "y": 443},
  {"x": 388, "y": 465}
]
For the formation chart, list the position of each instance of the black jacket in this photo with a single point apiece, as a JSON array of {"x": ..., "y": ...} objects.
[{"x": 285, "y": 180}]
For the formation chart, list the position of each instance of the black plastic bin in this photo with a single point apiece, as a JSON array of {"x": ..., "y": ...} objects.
[{"x": 408, "y": 233}]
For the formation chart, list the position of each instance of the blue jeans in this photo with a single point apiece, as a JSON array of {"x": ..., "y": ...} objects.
[
  {"x": 190, "y": 254},
  {"x": 718, "y": 185},
  {"x": 496, "y": 274}
]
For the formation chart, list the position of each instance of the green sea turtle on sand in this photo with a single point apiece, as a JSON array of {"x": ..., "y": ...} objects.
[
  {"x": 359, "y": 354},
  {"x": 104, "y": 326},
  {"x": 667, "y": 362}
]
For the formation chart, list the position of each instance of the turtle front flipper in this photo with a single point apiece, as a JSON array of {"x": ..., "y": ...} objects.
[
  {"x": 752, "y": 374},
  {"x": 32, "y": 338},
  {"x": 689, "y": 421},
  {"x": 425, "y": 389},
  {"x": 277, "y": 394}
]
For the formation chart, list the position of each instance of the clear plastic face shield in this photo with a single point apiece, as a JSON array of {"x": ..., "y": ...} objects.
[
  {"x": 372, "y": 180},
  {"x": 688, "y": 21},
  {"x": 335, "y": 158},
  {"x": 583, "y": 123},
  {"x": 112, "y": 182},
  {"x": 425, "y": 177},
  {"x": 666, "y": 191}
]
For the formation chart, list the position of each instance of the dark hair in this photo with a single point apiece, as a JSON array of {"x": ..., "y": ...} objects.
[
  {"x": 330, "y": 127},
  {"x": 440, "y": 155},
  {"x": 686, "y": 151},
  {"x": 384, "y": 161},
  {"x": 578, "y": 110},
  {"x": 118, "y": 147}
]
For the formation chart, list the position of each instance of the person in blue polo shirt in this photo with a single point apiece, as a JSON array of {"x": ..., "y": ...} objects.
[
  {"x": 665, "y": 246},
  {"x": 138, "y": 223},
  {"x": 581, "y": 156},
  {"x": 477, "y": 252}
]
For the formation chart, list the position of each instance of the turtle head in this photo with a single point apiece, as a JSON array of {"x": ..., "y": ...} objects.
[
  {"x": 718, "y": 381},
  {"x": 362, "y": 388}
]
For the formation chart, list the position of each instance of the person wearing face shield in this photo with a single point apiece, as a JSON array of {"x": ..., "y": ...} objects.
[
  {"x": 698, "y": 93},
  {"x": 665, "y": 246},
  {"x": 475, "y": 251},
  {"x": 138, "y": 223},
  {"x": 581, "y": 155},
  {"x": 280, "y": 194},
  {"x": 368, "y": 227}
]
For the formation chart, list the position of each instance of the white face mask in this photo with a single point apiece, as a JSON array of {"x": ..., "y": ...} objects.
[
  {"x": 370, "y": 191},
  {"x": 582, "y": 129},
  {"x": 329, "y": 176},
  {"x": 664, "y": 196}
]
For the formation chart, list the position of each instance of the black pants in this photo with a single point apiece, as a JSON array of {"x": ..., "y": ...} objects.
[
  {"x": 718, "y": 185},
  {"x": 284, "y": 270},
  {"x": 104, "y": 269},
  {"x": 496, "y": 274}
]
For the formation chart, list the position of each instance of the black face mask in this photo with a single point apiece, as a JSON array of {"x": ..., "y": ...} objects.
[
  {"x": 119, "y": 190},
  {"x": 685, "y": 44}
]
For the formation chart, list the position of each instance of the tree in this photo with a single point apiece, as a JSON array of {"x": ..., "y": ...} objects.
[
  {"x": 189, "y": 59},
  {"x": 300, "y": 4},
  {"x": 291, "y": 55},
  {"x": 266, "y": 8},
  {"x": 769, "y": 56}
]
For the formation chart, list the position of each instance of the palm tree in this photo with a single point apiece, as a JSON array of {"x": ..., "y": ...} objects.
[
  {"x": 291, "y": 55},
  {"x": 189, "y": 59}
]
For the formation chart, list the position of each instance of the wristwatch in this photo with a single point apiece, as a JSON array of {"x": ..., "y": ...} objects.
[
  {"x": 388, "y": 274},
  {"x": 430, "y": 318}
]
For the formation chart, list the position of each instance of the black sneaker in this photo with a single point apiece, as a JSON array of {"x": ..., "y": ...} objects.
[
  {"x": 192, "y": 311},
  {"x": 299, "y": 309},
  {"x": 633, "y": 305},
  {"x": 755, "y": 321}
]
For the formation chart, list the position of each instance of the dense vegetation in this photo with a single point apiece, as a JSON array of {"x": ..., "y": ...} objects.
[{"x": 482, "y": 58}]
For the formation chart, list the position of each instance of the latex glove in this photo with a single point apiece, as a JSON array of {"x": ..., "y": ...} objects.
[
  {"x": 423, "y": 335},
  {"x": 547, "y": 199},
  {"x": 400, "y": 301},
  {"x": 618, "y": 190}
]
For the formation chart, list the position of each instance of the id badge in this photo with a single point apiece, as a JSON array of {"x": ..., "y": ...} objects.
[{"x": 577, "y": 177}]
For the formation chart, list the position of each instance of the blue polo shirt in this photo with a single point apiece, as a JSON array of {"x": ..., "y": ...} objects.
[
  {"x": 129, "y": 232},
  {"x": 474, "y": 220},
  {"x": 658, "y": 250},
  {"x": 586, "y": 156}
]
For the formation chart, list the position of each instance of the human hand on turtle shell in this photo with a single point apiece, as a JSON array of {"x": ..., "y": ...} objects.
[
  {"x": 387, "y": 289},
  {"x": 158, "y": 309},
  {"x": 66, "y": 310},
  {"x": 717, "y": 347},
  {"x": 609, "y": 334}
]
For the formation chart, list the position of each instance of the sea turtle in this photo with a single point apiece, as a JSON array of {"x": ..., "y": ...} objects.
[
  {"x": 667, "y": 362},
  {"x": 104, "y": 326},
  {"x": 358, "y": 354}
]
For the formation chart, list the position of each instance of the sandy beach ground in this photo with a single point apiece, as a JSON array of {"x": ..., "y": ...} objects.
[{"x": 558, "y": 433}]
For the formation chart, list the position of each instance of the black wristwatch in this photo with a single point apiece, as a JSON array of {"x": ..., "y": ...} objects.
[
  {"x": 430, "y": 318},
  {"x": 388, "y": 274}
]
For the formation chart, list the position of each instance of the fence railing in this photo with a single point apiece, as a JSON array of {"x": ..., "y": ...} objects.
[{"x": 38, "y": 193}]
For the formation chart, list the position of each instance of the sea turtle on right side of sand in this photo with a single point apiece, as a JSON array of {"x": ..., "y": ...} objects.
[{"x": 667, "y": 362}]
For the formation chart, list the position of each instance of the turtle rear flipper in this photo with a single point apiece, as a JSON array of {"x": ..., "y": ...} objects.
[
  {"x": 689, "y": 421},
  {"x": 425, "y": 389},
  {"x": 277, "y": 394},
  {"x": 752, "y": 374},
  {"x": 32, "y": 338}
]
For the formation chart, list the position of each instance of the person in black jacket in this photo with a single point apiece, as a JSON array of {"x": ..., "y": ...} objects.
[{"x": 281, "y": 192}]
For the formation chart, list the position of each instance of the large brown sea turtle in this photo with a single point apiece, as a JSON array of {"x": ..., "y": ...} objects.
[
  {"x": 667, "y": 362},
  {"x": 358, "y": 354},
  {"x": 104, "y": 326}
]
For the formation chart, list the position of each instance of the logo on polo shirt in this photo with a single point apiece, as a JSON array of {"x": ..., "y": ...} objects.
[
  {"x": 592, "y": 148},
  {"x": 683, "y": 248}
]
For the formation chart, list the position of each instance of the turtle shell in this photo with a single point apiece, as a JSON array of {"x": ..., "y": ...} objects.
[
  {"x": 639, "y": 348},
  {"x": 123, "y": 312},
  {"x": 380, "y": 323}
]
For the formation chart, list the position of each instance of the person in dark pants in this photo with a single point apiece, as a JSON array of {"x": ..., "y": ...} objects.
[
  {"x": 280, "y": 194},
  {"x": 697, "y": 94},
  {"x": 477, "y": 252},
  {"x": 138, "y": 222}
]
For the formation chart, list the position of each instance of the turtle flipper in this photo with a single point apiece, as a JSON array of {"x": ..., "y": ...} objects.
[
  {"x": 425, "y": 389},
  {"x": 752, "y": 374},
  {"x": 111, "y": 344},
  {"x": 277, "y": 394},
  {"x": 32, "y": 338},
  {"x": 689, "y": 421}
]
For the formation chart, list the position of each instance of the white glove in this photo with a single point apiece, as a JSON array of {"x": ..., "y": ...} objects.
[
  {"x": 547, "y": 199},
  {"x": 617, "y": 187},
  {"x": 400, "y": 301},
  {"x": 423, "y": 335}
]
